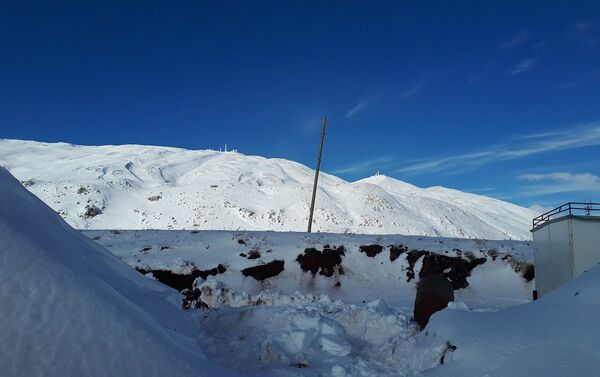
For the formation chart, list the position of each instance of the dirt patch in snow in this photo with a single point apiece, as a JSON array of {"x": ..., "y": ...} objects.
[
  {"x": 91, "y": 211},
  {"x": 325, "y": 262},
  {"x": 455, "y": 269},
  {"x": 412, "y": 257},
  {"x": 182, "y": 281},
  {"x": 254, "y": 254},
  {"x": 396, "y": 251},
  {"x": 371, "y": 250},
  {"x": 526, "y": 270},
  {"x": 264, "y": 271},
  {"x": 192, "y": 299}
]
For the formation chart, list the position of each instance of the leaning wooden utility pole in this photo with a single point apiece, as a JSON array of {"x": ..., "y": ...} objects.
[{"x": 314, "y": 192}]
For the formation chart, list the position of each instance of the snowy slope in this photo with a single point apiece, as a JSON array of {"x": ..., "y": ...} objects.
[
  {"x": 70, "y": 308},
  {"x": 553, "y": 337},
  {"x": 143, "y": 187}
]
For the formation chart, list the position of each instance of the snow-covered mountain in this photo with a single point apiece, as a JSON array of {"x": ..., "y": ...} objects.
[{"x": 142, "y": 187}]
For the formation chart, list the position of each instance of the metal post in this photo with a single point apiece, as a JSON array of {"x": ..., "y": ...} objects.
[{"x": 314, "y": 192}]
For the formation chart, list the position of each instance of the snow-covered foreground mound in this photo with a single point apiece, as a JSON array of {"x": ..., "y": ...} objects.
[
  {"x": 143, "y": 187},
  {"x": 555, "y": 336},
  {"x": 70, "y": 308}
]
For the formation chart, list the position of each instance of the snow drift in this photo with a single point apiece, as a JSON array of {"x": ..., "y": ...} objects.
[
  {"x": 143, "y": 187},
  {"x": 70, "y": 308},
  {"x": 554, "y": 336}
]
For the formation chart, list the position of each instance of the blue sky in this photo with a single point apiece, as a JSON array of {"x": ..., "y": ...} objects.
[{"x": 496, "y": 98}]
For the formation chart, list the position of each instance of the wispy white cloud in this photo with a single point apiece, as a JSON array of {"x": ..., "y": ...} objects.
[
  {"x": 516, "y": 40},
  {"x": 482, "y": 72},
  {"x": 371, "y": 165},
  {"x": 524, "y": 66},
  {"x": 361, "y": 105},
  {"x": 559, "y": 182},
  {"x": 539, "y": 208},
  {"x": 416, "y": 88},
  {"x": 556, "y": 140},
  {"x": 309, "y": 125},
  {"x": 585, "y": 32},
  {"x": 589, "y": 78}
]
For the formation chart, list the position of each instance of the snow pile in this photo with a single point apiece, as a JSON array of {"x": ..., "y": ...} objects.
[
  {"x": 315, "y": 339},
  {"x": 142, "y": 187},
  {"x": 554, "y": 336},
  {"x": 70, "y": 308}
]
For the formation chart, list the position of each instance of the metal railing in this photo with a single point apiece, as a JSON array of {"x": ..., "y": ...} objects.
[{"x": 571, "y": 208}]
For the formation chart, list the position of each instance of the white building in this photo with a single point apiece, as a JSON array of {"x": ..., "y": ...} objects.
[{"x": 566, "y": 243}]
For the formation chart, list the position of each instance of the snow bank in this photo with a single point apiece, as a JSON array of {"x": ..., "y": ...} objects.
[
  {"x": 554, "y": 336},
  {"x": 70, "y": 308},
  {"x": 494, "y": 284}
]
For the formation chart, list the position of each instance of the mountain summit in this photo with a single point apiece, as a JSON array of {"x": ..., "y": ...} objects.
[{"x": 147, "y": 187}]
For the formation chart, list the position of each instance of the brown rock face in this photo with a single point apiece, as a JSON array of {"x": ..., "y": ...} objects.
[{"x": 434, "y": 292}]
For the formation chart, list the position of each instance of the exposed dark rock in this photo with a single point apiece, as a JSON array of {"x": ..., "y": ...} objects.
[
  {"x": 449, "y": 349},
  {"x": 300, "y": 365},
  {"x": 434, "y": 292},
  {"x": 155, "y": 198},
  {"x": 191, "y": 299},
  {"x": 455, "y": 269},
  {"x": 254, "y": 254},
  {"x": 182, "y": 281},
  {"x": 164, "y": 248},
  {"x": 173, "y": 280},
  {"x": 527, "y": 270},
  {"x": 91, "y": 211},
  {"x": 492, "y": 254},
  {"x": 326, "y": 262},
  {"x": 241, "y": 241},
  {"x": 371, "y": 250},
  {"x": 412, "y": 257},
  {"x": 28, "y": 183},
  {"x": 264, "y": 271},
  {"x": 147, "y": 248},
  {"x": 82, "y": 190},
  {"x": 396, "y": 251}
]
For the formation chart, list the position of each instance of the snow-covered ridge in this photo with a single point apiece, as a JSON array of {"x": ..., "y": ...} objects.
[{"x": 147, "y": 187}]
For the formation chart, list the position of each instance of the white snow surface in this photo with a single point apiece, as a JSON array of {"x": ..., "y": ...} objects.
[
  {"x": 71, "y": 308},
  {"x": 147, "y": 187},
  {"x": 553, "y": 337}
]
